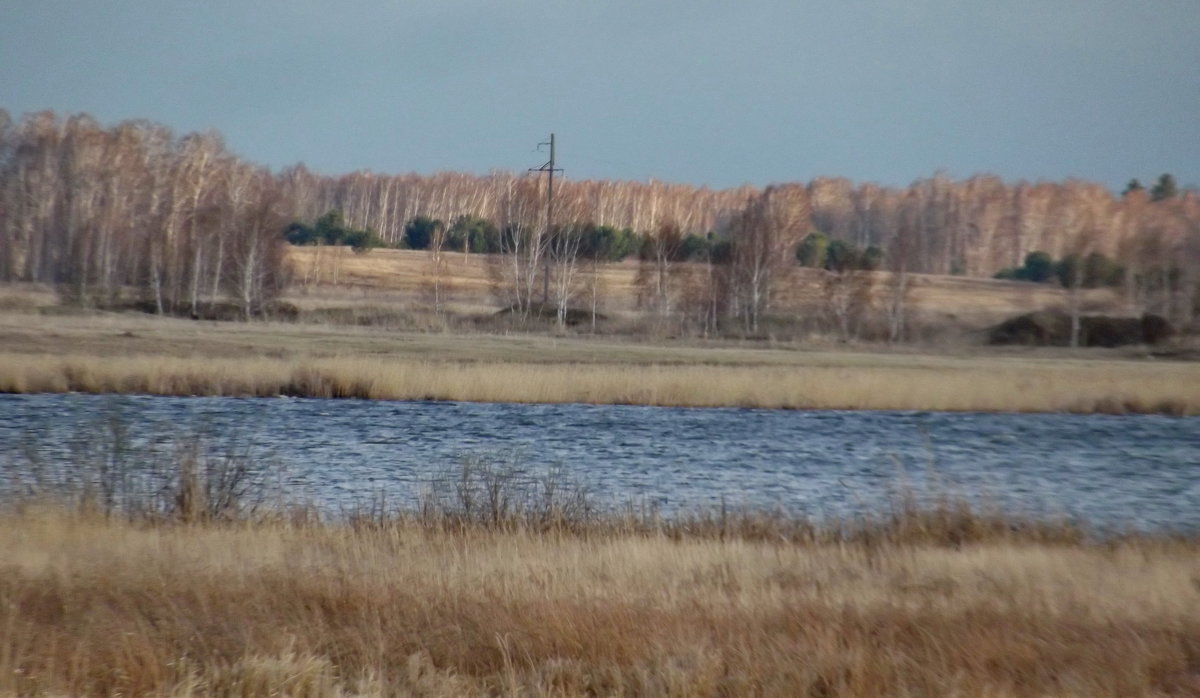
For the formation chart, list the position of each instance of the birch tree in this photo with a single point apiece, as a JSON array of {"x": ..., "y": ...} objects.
[
  {"x": 563, "y": 250},
  {"x": 656, "y": 277},
  {"x": 764, "y": 236},
  {"x": 517, "y": 271}
]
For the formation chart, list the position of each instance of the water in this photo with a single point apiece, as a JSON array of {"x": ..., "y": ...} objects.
[{"x": 1139, "y": 471}]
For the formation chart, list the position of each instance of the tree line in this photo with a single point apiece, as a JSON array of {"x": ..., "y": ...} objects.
[
  {"x": 101, "y": 210},
  {"x": 974, "y": 227}
]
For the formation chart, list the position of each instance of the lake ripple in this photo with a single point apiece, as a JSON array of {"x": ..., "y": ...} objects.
[{"x": 1140, "y": 470}]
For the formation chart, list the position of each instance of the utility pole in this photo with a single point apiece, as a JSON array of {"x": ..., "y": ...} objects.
[{"x": 549, "y": 169}]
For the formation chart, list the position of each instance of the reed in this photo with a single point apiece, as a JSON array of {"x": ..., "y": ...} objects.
[
  {"x": 93, "y": 605},
  {"x": 932, "y": 384},
  {"x": 129, "y": 353}
]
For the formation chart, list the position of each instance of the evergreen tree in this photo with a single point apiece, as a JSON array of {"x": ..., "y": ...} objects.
[
  {"x": 420, "y": 231},
  {"x": 812, "y": 249},
  {"x": 1164, "y": 188}
]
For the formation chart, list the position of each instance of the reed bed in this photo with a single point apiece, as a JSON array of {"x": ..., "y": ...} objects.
[
  {"x": 945, "y": 384},
  {"x": 93, "y": 605}
]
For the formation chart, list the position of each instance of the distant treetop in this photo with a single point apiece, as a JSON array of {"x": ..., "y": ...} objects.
[{"x": 1164, "y": 188}]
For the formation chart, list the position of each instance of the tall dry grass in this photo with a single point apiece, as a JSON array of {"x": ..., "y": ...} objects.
[
  {"x": 934, "y": 384},
  {"x": 100, "y": 606}
]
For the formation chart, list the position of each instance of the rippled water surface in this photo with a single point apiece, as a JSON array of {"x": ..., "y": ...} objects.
[{"x": 1139, "y": 471}]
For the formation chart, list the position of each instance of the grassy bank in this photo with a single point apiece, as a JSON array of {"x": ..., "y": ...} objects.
[
  {"x": 131, "y": 353},
  {"x": 100, "y": 606},
  {"x": 947, "y": 384}
]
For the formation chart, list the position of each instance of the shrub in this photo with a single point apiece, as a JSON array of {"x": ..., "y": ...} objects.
[
  {"x": 473, "y": 234},
  {"x": 419, "y": 232},
  {"x": 812, "y": 250},
  {"x": 330, "y": 229}
]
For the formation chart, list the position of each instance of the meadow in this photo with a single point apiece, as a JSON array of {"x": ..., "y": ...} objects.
[
  {"x": 466, "y": 279},
  {"x": 940, "y": 602},
  {"x": 47, "y": 348}
]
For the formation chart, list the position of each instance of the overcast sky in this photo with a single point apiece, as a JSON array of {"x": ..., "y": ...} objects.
[{"x": 694, "y": 91}]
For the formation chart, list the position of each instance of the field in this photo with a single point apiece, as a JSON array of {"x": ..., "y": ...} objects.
[
  {"x": 366, "y": 331},
  {"x": 974, "y": 300},
  {"x": 372, "y": 343},
  {"x": 924, "y": 605},
  {"x": 121, "y": 352}
]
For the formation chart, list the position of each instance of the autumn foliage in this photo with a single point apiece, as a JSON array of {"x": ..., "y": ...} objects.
[{"x": 101, "y": 210}]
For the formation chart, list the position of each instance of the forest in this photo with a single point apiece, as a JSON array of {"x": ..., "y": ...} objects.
[{"x": 99, "y": 211}]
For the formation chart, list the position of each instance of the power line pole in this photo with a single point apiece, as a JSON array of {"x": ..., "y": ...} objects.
[{"x": 549, "y": 169}]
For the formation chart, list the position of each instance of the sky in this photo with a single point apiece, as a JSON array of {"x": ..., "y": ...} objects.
[{"x": 703, "y": 92}]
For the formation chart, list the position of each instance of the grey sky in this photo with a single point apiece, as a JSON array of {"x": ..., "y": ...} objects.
[{"x": 695, "y": 91}]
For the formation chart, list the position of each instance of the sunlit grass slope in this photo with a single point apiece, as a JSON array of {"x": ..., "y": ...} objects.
[{"x": 467, "y": 278}]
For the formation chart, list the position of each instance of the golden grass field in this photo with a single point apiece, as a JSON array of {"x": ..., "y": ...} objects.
[
  {"x": 950, "y": 385},
  {"x": 99, "y": 606},
  {"x": 467, "y": 281}
]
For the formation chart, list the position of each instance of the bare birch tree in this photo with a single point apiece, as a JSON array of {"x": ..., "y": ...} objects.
[
  {"x": 437, "y": 265},
  {"x": 517, "y": 271},
  {"x": 899, "y": 288},
  {"x": 764, "y": 236},
  {"x": 655, "y": 279},
  {"x": 563, "y": 253}
]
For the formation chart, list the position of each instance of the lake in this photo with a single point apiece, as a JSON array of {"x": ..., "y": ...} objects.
[{"x": 1138, "y": 471}]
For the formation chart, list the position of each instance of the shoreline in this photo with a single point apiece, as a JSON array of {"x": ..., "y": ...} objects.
[
  {"x": 101, "y": 605},
  {"x": 978, "y": 385},
  {"x": 138, "y": 354}
]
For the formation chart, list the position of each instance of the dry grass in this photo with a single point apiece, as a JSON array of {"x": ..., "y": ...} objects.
[
  {"x": 26, "y": 298},
  {"x": 466, "y": 277},
  {"x": 919, "y": 384},
  {"x": 502, "y": 581},
  {"x": 93, "y": 606},
  {"x": 132, "y": 353}
]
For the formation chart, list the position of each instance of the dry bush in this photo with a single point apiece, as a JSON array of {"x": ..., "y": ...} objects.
[{"x": 186, "y": 475}]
